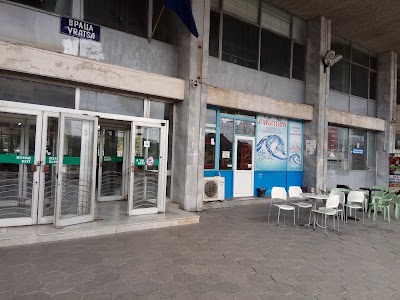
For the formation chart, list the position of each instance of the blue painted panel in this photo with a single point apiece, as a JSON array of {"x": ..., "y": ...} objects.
[
  {"x": 269, "y": 179},
  {"x": 294, "y": 178},
  {"x": 228, "y": 175},
  {"x": 210, "y": 173}
]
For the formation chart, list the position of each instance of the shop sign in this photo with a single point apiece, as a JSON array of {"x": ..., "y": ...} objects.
[
  {"x": 150, "y": 161},
  {"x": 16, "y": 159},
  {"x": 112, "y": 158},
  {"x": 141, "y": 162},
  {"x": 68, "y": 160},
  {"x": 357, "y": 151},
  {"x": 79, "y": 29},
  {"x": 271, "y": 151},
  {"x": 295, "y": 151},
  {"x": 394, "y": 173}
]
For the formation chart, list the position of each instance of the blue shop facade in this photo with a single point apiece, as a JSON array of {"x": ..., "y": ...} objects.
[{"x": 253, "y": 151}]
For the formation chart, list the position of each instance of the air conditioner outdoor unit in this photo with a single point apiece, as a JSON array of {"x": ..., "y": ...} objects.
[{"x": 214, "y": 188}]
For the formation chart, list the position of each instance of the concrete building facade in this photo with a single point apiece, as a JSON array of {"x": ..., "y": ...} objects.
[{"x": 250, "y": 101}]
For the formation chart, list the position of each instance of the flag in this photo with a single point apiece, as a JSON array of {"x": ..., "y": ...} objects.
[{"x": 184, "y": 11}]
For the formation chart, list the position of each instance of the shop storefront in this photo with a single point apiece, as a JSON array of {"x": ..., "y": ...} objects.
[
  {"x": 252, "y": 151},
  {"x": 64, "y": 150}
]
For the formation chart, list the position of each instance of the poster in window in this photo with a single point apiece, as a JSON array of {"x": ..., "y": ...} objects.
[
  {"x": 394, "y": 173},
  {"x": 295, "y": 153},
  {"x": 271, "y": 151}
]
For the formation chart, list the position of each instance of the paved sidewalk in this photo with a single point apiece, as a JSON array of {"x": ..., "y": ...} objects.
[{"x": 234, "y": 253}]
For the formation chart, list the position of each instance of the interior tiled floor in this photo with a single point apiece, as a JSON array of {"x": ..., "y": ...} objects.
[{"x": 234, "y": 253}]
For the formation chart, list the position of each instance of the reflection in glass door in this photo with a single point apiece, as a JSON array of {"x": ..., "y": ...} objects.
[
  {"x": 112, "y": 169},
  {"x": 148, "y": 170},
  {"x": 244, "y": 167},
  {"x": 76, "y": 164},
  {"x": 19, "y": 156}
]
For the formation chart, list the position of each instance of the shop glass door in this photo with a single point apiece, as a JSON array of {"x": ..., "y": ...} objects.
[
  {"x": 243, "y": 175},
  {"x": 147, "y": 188},
  {"x": 112, "y": 165},
  {"x": 76, "y": 168},
  {"x": 20, "y": 138}
]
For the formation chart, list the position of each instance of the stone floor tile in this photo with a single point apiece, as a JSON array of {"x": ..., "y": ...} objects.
[
  {"x": 195, "y": 269},
  {"x": 67, "y": 296},
  {"x": 145, "y": 288},
  {"x": 33, "y": 296},
  {"x": 98, "y": 296},
  {"x": 227, "y": 287},
  {"x": 185, "y": 277},
  {"x": 217, "y": 296},
  {"x": 200, "y": 287},
  {"x": 188, "y": 296},
  {"x": 210, "y": 277}
]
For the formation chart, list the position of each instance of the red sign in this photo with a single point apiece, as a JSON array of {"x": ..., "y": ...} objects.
[{"x": 150, "y": 161}]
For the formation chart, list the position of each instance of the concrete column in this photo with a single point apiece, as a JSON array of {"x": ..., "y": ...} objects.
[
  {"x": 189, "y": 117},
  {"x": 317, "y": 89},
  {"x": 386, "y": 110}
]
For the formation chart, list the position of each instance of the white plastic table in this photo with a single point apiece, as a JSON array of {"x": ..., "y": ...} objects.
[{"x": 315, "y": 198}]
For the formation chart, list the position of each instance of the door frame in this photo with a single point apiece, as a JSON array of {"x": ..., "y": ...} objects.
[
  {"x": 162, "y": 168},
  {"x": 8, "y": 222},
  {"x": 58, "y": 221},
  {"x": 235, "y": 170}
]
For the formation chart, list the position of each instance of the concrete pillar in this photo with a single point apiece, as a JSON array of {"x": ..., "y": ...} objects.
[
  {"x": 386, "y": 109},
  {"x": 189, "y": 117},
  {"x": 317, "y": 89}
]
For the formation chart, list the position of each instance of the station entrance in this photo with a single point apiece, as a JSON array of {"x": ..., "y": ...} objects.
[{"x": 57, "y": 165}]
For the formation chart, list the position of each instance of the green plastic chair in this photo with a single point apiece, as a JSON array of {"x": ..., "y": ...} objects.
[
  {"x": 396, "y": 202},
  {"x": 383, "y": 188},
  {"x": 384, "y": 203}
]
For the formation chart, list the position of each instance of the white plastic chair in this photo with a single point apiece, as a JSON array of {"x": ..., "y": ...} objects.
[
  {"x": 356, "y": 201},
  {"x": 279, "y": 194},
  {"x": 331, "y": 209},
  {"x": 342, "y": 202},
  {"x": 294, "y": 194}
]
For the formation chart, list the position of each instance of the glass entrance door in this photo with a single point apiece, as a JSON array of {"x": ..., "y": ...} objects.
[
  {"x": 147, "y": 186},
  {"x": 113, "y": 165},
  {"x": 76, "y": 166},
  {"x": 243, "y": 175},
  {"x": 20, "y": 137}
]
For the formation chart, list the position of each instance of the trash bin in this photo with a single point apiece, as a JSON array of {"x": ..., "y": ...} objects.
[{"x": 261, "y": 192}]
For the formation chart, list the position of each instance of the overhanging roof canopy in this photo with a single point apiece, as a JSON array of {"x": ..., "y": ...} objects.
[{"x": 372, "y": 24}]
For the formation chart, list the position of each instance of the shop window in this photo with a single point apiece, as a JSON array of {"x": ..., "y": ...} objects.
[
  {"x": 341, "y": 46},
  {"x": 275, "y": 19},
  {"x": 359, "y": 81},
  {"x": 210, "y": 139},
  {"x": 164, "y": 31},
  {"x": 299, "y": 56},
  {"x": 110, "y": 103},
  {"x": 60, "y": 7},
  {"x": 358, "y": 149},
  {"x": 245, "y": 9},
  {"x": 240, "y": 42},
  {"x": 245, "y": 127},
  {"x": 337, "y": 148},
  {"x": 359, "y": 55},
  {"x": 340, "y": 73},
  {"x": 123, "y": 15},
  {"x": 25, "y": 91},
  {"x": 226, "y": 143},
  {"x": 214, "y": 33},
  {"x": 275, "y": 54}
]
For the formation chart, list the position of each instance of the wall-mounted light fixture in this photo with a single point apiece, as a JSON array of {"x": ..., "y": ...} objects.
[{"x": 331, "y": 58}]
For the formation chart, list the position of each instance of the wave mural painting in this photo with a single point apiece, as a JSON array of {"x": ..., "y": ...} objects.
[
  {"x": 295, "y": 162},
  {"x": 271, "y": 144}
]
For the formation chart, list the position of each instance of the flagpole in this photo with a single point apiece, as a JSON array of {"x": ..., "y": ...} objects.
[{"x": 155, "y": 26}]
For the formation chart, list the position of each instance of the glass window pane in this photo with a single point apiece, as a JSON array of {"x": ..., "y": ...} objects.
[
  {"x": 275, "y": 54},
  {"x": 240, "y": 43},
  {"x": 25, "y": 91},
  {"x": 164, "y": 111},
  {"x": 109, "y": 103},
  {"x": 340, "y": 75},
  {"x": 358, "y": 143},
  {"x": 123, "y": 15},
  {"x": 372, "y": 61},
  {"x": 359, "y": 81},
  {"x": 165, "y": 31},
  {"x": 60, "y": 7},
  {"x": 275, "y": 19},
  {"x": 245, "y": 9},
  {"x": 299, "y": 57},
  {"x": 226, "y": 142},
  {"x": 210, "y": 139},
  {"x": 359, "y": 55},
  {"x": 214, "y": 33},
  {"x": 341, "y": 46},
  {"x": 244, "y": 155},
  {"x": 337, "y": 148},
  {"x": 245, "y": 127},
  {"x": 299, "y": 30},
  {"x": 372, "y": 85}
]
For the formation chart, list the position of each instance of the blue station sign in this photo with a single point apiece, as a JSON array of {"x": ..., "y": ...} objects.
[{"x": 80, "y": 29}]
